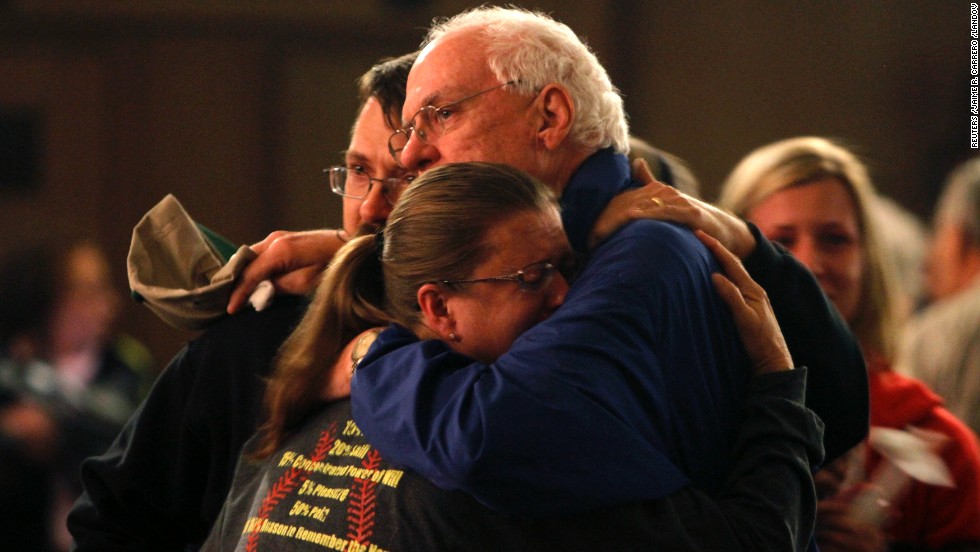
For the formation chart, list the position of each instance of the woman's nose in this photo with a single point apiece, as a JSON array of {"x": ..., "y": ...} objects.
[
  {"x": 558, "y": 290},
  {"x": 806, "y": 252}
]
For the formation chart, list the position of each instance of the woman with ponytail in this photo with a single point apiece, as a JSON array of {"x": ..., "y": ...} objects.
[{"x": 473, "y": 255}]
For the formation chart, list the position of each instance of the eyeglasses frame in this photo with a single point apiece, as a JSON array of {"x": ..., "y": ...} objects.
[
  {"x": 549, "y": 270},
  {"x": 386, "y": 183},
  {"x": 410, "y": 129}
]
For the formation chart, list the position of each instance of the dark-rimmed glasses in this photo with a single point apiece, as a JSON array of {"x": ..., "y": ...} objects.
[
  {"x": 356, "y": 184},
  {"x": 429, "y": 123},
  {"x": 533, "y": 277}
]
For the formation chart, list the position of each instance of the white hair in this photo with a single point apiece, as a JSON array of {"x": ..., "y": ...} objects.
[
  {"x": 534, "y": 50},
  {"x": 959, "y": 203}
]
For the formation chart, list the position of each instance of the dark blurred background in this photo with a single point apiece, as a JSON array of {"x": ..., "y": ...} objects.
[{"x": 235, "y": 106}]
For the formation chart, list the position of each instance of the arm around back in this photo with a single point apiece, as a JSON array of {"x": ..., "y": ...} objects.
[
  {"x": 837, "y": 383},
  {"x": 614, "y": 377}
]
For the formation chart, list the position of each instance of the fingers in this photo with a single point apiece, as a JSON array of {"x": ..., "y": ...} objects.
[
  {"x": 730, "y": 264},
  {"x": 653, "y": 193},
  {"x": 642, "y": 172},
  {"x": 737, "y": 278},
  {"x": 730, "y": 294},
  {"x": 250, "y": 278},
  {"x": 828, "y": 482},
  {"x": 638, "y": 203},
  {"x": 657, "y": 200},
  {"x": 293, "y": 262},
  {"x": 260, "y": 247},
  {"x": 754, "y": 319},
  {"x": 837, "y": 529},
  {"x": 253, "y": 274}
]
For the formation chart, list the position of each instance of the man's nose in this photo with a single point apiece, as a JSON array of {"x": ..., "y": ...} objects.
[
  {"x": 375, "y": 208},
  {"x": 418, "y": 155}
]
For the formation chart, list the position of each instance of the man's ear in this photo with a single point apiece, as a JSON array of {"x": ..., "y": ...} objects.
[
  {"x": 433, "y": 301},
  {"x": 556, "y": 111}
]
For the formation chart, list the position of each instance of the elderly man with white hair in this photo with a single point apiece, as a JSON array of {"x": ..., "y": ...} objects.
[
  {"x": 630, "y": 390},
  {"x": 941, "y": 345}
]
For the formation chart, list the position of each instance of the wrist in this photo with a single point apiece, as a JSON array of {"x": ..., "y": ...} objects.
[{"x": 744, "y": 243}]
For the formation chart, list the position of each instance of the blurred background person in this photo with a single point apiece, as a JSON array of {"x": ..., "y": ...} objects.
[
  {"x": 28, "y": 438},
  {"x": 69, "y": 380},
  {"x": 941, "y": 345},
  {"x": 813, "y": 197},
  {"x": 905, "y": 239}
]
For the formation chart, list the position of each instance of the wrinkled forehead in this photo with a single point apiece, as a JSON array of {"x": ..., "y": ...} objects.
[{"x": 446, "y": 70}]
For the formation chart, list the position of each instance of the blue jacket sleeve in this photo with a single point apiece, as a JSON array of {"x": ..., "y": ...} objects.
[{"x": 628, "y": 390}]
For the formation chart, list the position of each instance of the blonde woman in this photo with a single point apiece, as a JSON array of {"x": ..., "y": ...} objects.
[{"x": 814, "y": 197}]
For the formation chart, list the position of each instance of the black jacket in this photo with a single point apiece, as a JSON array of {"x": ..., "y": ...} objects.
[{"x": 163, "y": 481}]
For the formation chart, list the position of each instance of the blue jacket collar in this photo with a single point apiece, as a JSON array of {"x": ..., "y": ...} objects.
[{"x": 600, "y": 178}]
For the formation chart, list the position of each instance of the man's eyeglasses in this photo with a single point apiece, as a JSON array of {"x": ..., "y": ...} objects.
[
  {"x": 355, "y": 183},
  {"x": 533, "y": 277},
  {"x": 430, "y": 122}
]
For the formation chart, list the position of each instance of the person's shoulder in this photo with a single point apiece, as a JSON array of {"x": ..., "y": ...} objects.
[
  {"x": 656, "y": 232},
  {"x": 959, "y": 309},
  {"x": 651, "y": 242},
  {"x": 244, "y": 342},
  {"x": 273, "y": 323},
  {"x": 398, "y": 346},
  {"x": 650, "y": 257},
  {"x": 956, "y": 321}
]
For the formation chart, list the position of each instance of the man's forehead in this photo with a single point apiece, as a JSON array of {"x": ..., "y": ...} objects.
[
  {"x": 437, "y": 92},
  {"x": 368, "y": 137},
  {"x": 437, "y": 95},
  {"x": 444, "y": 70}
]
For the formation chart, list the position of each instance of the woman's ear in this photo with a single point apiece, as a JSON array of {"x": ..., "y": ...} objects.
[
  {"x": 433, "y": 300},
  {"x": 556, "y": 110}
]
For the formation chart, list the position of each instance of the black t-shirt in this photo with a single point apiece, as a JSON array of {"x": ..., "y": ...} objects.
[{"x": 327, "y": 488}]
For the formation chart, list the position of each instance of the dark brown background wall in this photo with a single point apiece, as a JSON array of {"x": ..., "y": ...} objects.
[{"x": 235, "y": 106}]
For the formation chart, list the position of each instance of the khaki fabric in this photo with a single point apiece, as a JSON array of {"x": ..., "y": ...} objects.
[{"x": 182, "y": 271}]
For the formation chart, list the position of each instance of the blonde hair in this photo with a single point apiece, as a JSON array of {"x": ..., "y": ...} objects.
[
  {"x": 802, "y": 160},
  {"x": 339, "y": 311},
  {"x": 436, "y": 231}
]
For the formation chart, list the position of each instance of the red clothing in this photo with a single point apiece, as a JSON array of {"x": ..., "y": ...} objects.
[{"x": 929, "y": 516}]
